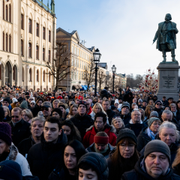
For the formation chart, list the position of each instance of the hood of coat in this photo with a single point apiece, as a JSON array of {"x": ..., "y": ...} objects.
[{"x": 13, "y": 153}]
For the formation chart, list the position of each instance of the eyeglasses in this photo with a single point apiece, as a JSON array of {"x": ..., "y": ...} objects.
[
  {"x": 14, "y": 116},
  {"x": 158, "y": 104},
  {"x": 44, "y": 108}
]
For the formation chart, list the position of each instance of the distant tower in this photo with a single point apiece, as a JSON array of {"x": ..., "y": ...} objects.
[{"x": 53, "y": 6}]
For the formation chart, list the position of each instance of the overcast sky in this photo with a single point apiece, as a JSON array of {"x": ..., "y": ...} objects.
[{"x": 123, "y": 30}]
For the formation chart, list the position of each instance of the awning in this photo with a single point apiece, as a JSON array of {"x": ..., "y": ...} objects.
[
  {"x": 75, "y": 87},
  {"x": 84, "y": 88}
]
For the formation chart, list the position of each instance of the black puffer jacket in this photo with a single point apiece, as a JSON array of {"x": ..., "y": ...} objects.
[
  {"x": 138, "y": 174},
  {"x": 82, "y": 123},
  {"x": 98, "y": 163},
  {"x": 44, "y": 157}
]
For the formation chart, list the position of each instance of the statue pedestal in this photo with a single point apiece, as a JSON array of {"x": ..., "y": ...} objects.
[{"x": 168, "y": 80}]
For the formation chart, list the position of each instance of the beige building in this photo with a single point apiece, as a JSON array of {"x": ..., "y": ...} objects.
[
  {"x": 79, "y": 59},
  {"x": 28, "y": 39}
]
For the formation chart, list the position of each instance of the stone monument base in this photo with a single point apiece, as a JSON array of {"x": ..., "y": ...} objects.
[{"x": 168, "y": 80}]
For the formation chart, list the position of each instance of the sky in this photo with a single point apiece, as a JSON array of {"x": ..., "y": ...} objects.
[{"x": 123, "y": 30}]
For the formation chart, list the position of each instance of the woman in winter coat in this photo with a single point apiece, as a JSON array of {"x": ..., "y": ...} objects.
[
  {"x": 72, "y": 153},
  {"x": 118, "y": 124},
  {"x": 125, "y": 156},
  {"x": 176, "y": 163},
  {"x": 8, "y": 151}
]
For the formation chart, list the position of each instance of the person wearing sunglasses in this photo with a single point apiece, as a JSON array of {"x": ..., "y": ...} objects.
[{"x": 46, "y": 108}]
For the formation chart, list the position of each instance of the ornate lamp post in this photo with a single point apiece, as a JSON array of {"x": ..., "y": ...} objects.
[
  {"x": 114, "y": 71},
  {"x": 97, "y": 56}
]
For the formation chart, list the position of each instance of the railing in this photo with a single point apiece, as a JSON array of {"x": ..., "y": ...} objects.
[{"x": 44, "y": 6}]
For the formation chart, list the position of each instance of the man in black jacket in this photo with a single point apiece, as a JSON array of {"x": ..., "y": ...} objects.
[
  {"x": 81, "y": 120},
  {"x": 125, "y": 112},
  {"x": 20, "y": 128},
  {"x": 45, "y": 156},
  {"x": 154, "y": 165}
]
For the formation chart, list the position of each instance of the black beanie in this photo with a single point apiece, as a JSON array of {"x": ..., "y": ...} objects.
[
  {"x": 10, "y": 170},
  {"x": 7, "y": 100},
  {"x": 126, "y": 133},
  {"x": 5, "y": 132},
  {"x": 157, "y": 146},
  {"x": 58, "y": 111}
]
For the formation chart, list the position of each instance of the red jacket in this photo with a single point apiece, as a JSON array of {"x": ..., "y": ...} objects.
[
  {"x": 89, "y": 136},
  {"x": 89, "y": 111}
]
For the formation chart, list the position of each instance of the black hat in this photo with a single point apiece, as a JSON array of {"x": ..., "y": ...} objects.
[
  {"x": 58, "y": 111},
  {"x": 157, "y": 146},
  {"x": 125, "y": 104},
  {"x": 159, "y": 101},
  {"x": 10, "y": 170},
  {"x": 7, "y": 100},
  {"x": 126, "y": 133}
]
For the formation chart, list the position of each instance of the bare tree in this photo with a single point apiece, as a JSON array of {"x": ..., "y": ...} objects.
[
  {"x": 88, "y": 74},
  {"x": 60, "y": 67}
]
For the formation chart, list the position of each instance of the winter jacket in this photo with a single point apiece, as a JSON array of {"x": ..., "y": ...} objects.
[
  {"x": 91, "y": 132},
  {"x": 45, "y": 156},
  {"x": 82, "y": 123},
  {"x": 20, "y": 131},
  {"x": 110, "y": 113},
  {"x": 14, "y": 155},
  {"x": 176, "y": 169},
  {"x": 142, "y": 139},
  {"x": 91, "y": 148},
  {"x": 139, "y": 174},
  {"x": 126, "y": 118},
  {"x": 159, "y": 111}
]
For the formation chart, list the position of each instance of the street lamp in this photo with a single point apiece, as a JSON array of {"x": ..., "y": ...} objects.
[
  {"x": 114, "y": 71},
  {"x": 97, "y": 56}
]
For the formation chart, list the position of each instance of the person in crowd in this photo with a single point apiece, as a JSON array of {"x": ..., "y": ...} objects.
[
  {"x": 24, "y": 105},
  {"x": 48, "y": 154},
  {"x": 144, "y": 104},
  {"x": 134, "y": 100},
  {"x": 155, "y": 164},
  {"x": 73, "y": 111},
  {"x": 118, "y": 124},
  {"x": 134, "y": 106},
  {"x": 176, "y": 163},
  {"x": 32, "y": 104},
  {"x": 39, "y": 102},
  {"x": 164, "y": 101},
  {"x": 141, "y": 110},
  {"x": 125, "y": 112},
  {"x": 125, "y": 156},
  {"x": 135, "y": 124},
  {"x": 7, "y": 102},
  {"x": 148, "y": 133},
  {"x": 99, "y": 125},
  {"x": 110, "y": 113},
  {"x": 46, "y": 108},
  {"x": 92, "y": 166},
  {"x": 89, "y": 108},
  {"x": 37, "y": 125},
  {"x": 8, "y": 151},
  {"x": 27, "y": 115},
  {"x": 151, "y": 103},
  {"x": 72, "y": 153},
  {"x": 176, "y": 113},
  {"x": 20, "y": 128},
  {"x": 158, "y": 107},
  {"x": 63, "y": 110},
  {"x": 71, "y": 131},
  {"x": 55, "y": 103},
  {"x": 81, "y": 120},
  {"x": 104, "y": 93},
  {"x": 7, "y": 116},
  {"x": 170, "y": 100},
  {"x": 140, "y": 101},
  {"x": 56, "y": 112},
  {"x": 14, "y": 103},
  {"x": 101, "y": 144},
  {"x": 169, "y": 134},
  {"x": 148, "y": 111},
  {"x": 178, "y": 105}
]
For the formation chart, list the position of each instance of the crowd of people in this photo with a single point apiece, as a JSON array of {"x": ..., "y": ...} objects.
[{"x": 76, "y": 135}]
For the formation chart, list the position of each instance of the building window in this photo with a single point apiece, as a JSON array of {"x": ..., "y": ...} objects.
[
  {"x": 30, "y": 26},
  {"x": 37, "y": 29},
  {"x": 14, "y": 73},
  {"x": 6, "y": 13},
  {"x": 6, "y": 42},
  {"x": 49, "y": 77},
  {"x": 37, "y": 76},
  {"x": 22, "y": 74},
  {"x": 30, "y": 75},
  {"x": 30, "y": 50},
  {"x": 44, "y": 76},
  {"x": 37, "y": 52},
  {"x": 49, "y": 55},
  {"x": 3, "y": 42},
  {"x": 49, "y": 36},
  {"x": 9, "y": 12},
  {"x": 22, "y": 47},
  {"x": 9, "y": 43},
  {"x": 44, "y": 33},
  {"x": 43, "y": 54},
  {"x": 22, "y": 21},
  {"x": 3, "y": 9}
]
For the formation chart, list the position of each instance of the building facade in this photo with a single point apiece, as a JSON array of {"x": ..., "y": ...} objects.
[
  {"x": 28, "y": 29},
  {"x": 80, "y": 59}
]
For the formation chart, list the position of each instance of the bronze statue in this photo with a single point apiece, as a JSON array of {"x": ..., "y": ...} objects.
[{"x": 166, "y": 37}]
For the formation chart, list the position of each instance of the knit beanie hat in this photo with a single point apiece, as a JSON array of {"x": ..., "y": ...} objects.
[
  {"x": 24, "y": 105},
  {"x": 125, "y": 104},
  {"x": 154, "y": 114},
  {"x": 58, "y": 111},
  {"x": 5, "y": 132},
  {"x": 99, "y": 139},
  {"x": 126, "y": 133},
  {"x": 157, "y": 146},
  {"x": 151, "y": 120},
  {"x": 10, "y": 170},
  {"x": 7, "y": 100}
]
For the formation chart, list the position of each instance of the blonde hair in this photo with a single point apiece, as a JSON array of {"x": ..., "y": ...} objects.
[
  {"x": 5, "y": 108},
  {"x": 118, "y": 118},
  {"x": 99, "y": 106},
  {"x": 177, "y": 159},
  {"x": 28, "y": 113}
]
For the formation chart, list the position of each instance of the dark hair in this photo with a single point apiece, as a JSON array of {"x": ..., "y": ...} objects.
[
  {"x": 85, "y": 166},
  {"x": 58, "y": 111},
  {"x": 75, "y": 134},
  {"x": 54, "y": 120},
  {"x": 101, "y": 114}
]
